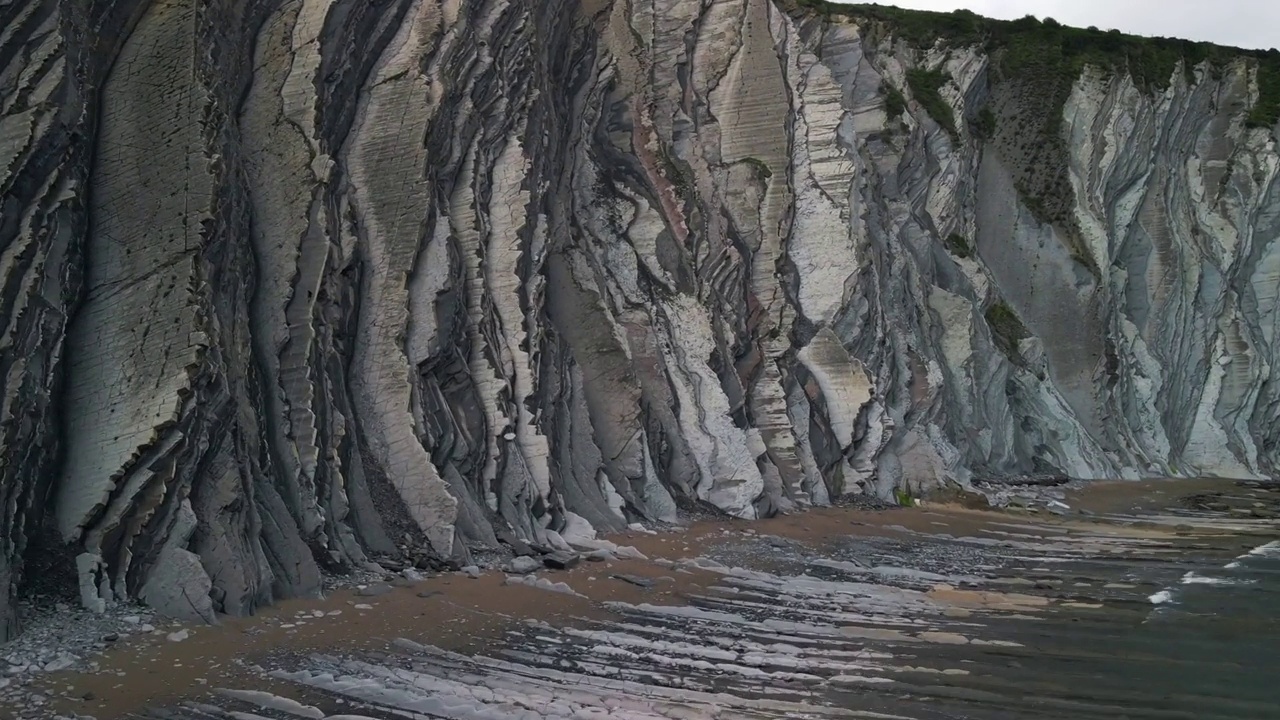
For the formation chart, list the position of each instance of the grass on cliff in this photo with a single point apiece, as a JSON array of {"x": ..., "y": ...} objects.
[
  {"x": 1007, "y": 330},
  {"x": 959, "y": 245},
  {"x": 925, "y": 87},
  {"x": 1053, "y": 55},
  {"x": 894, "y": 103}
]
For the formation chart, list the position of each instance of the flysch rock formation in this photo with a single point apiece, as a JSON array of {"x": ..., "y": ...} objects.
[{"x": 297, "y": 285}]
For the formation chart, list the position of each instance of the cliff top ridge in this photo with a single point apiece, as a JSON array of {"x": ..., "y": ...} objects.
[{"x": 1048, "y": 50}]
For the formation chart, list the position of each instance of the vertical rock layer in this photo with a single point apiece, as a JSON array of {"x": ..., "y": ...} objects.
[{"x": 292, "y": 286}]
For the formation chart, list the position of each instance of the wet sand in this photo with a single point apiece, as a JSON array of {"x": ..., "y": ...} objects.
[{"x": 467, "y": 616}]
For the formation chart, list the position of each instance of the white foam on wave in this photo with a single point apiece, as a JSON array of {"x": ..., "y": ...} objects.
[
  {"x": 1193, "y": 578},
  {"x": 1271, "y": 549}
]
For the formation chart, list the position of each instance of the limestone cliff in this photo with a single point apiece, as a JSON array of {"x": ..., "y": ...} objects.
[{"x": 295, "y": 285}]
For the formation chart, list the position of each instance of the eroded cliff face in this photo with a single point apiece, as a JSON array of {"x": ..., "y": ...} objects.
[{"x": 292, "y": 286}]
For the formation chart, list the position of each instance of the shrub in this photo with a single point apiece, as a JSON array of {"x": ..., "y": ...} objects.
[
  {"x": 894, "y": 103},
  {"x": 925, "y": 87},
  {"x": 760, "y": 166},
  {"x": 1007, "y": 330},
  {"x": 959, "y": 245},
  {"x": 984, "y": 126}
]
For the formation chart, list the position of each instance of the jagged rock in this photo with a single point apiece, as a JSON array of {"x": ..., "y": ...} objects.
[
  {"x": 561, "y": 560},
  {"x": 295, "y": 285},
  {"x": 179, "y": 588}
]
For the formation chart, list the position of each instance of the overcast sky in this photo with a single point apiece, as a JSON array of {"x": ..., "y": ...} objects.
[{"x": 1242, "y": 23}]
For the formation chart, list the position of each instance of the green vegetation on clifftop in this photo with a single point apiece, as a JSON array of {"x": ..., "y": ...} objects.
[
  {"x": 1056, "y": 54},
  {"x": 1266, "y": 112}
]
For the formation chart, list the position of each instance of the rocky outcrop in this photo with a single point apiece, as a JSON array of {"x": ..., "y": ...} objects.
[{"x": 294, "y": 286}]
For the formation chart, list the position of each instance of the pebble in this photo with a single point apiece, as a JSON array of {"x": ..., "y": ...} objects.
[
  {"x": 178, "y": 636},
  {"x": 374, "y": 590},
  {"x": 471, "y": 571}
]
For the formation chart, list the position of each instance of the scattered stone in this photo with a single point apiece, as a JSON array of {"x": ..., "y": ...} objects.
[
  {"x": 374, "y": 590},
  {"x": 429, "y": 594},
  {"x": 518, "y": 546},
  {"x": 521, "y": 565},
  {"x": 472, "y": 571},
  {"x": 600, "y": 556},
  {"x": 178, "y": 636},
  {"x": 634, "y": 580},
  {"x": 561, "y": 560},
  {"x": 626, "y": 551},
  {"x": 363, "y": 606},
  {"x": 540, "y": 583},
  {"x": 62, "y": 662},
  {"x": 111, "y": 637}
]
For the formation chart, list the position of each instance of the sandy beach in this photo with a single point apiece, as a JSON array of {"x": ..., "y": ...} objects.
[{"x": 819, "y": 602}]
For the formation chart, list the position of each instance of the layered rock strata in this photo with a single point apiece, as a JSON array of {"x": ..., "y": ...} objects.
[{"x": 294, "y": 286}]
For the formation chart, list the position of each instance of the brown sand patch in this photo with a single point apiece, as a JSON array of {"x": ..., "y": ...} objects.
[
  {"x": 461, "y": 614},
  {"x": 985, "y": 599}
]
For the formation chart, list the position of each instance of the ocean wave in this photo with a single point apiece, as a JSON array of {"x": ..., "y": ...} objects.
[
  {"x": 1192, "y": 578},
  {"x": 1271, "y": 549}
]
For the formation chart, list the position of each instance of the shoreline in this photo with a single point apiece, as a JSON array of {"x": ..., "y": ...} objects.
[{"x": 457, "y": 614}]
